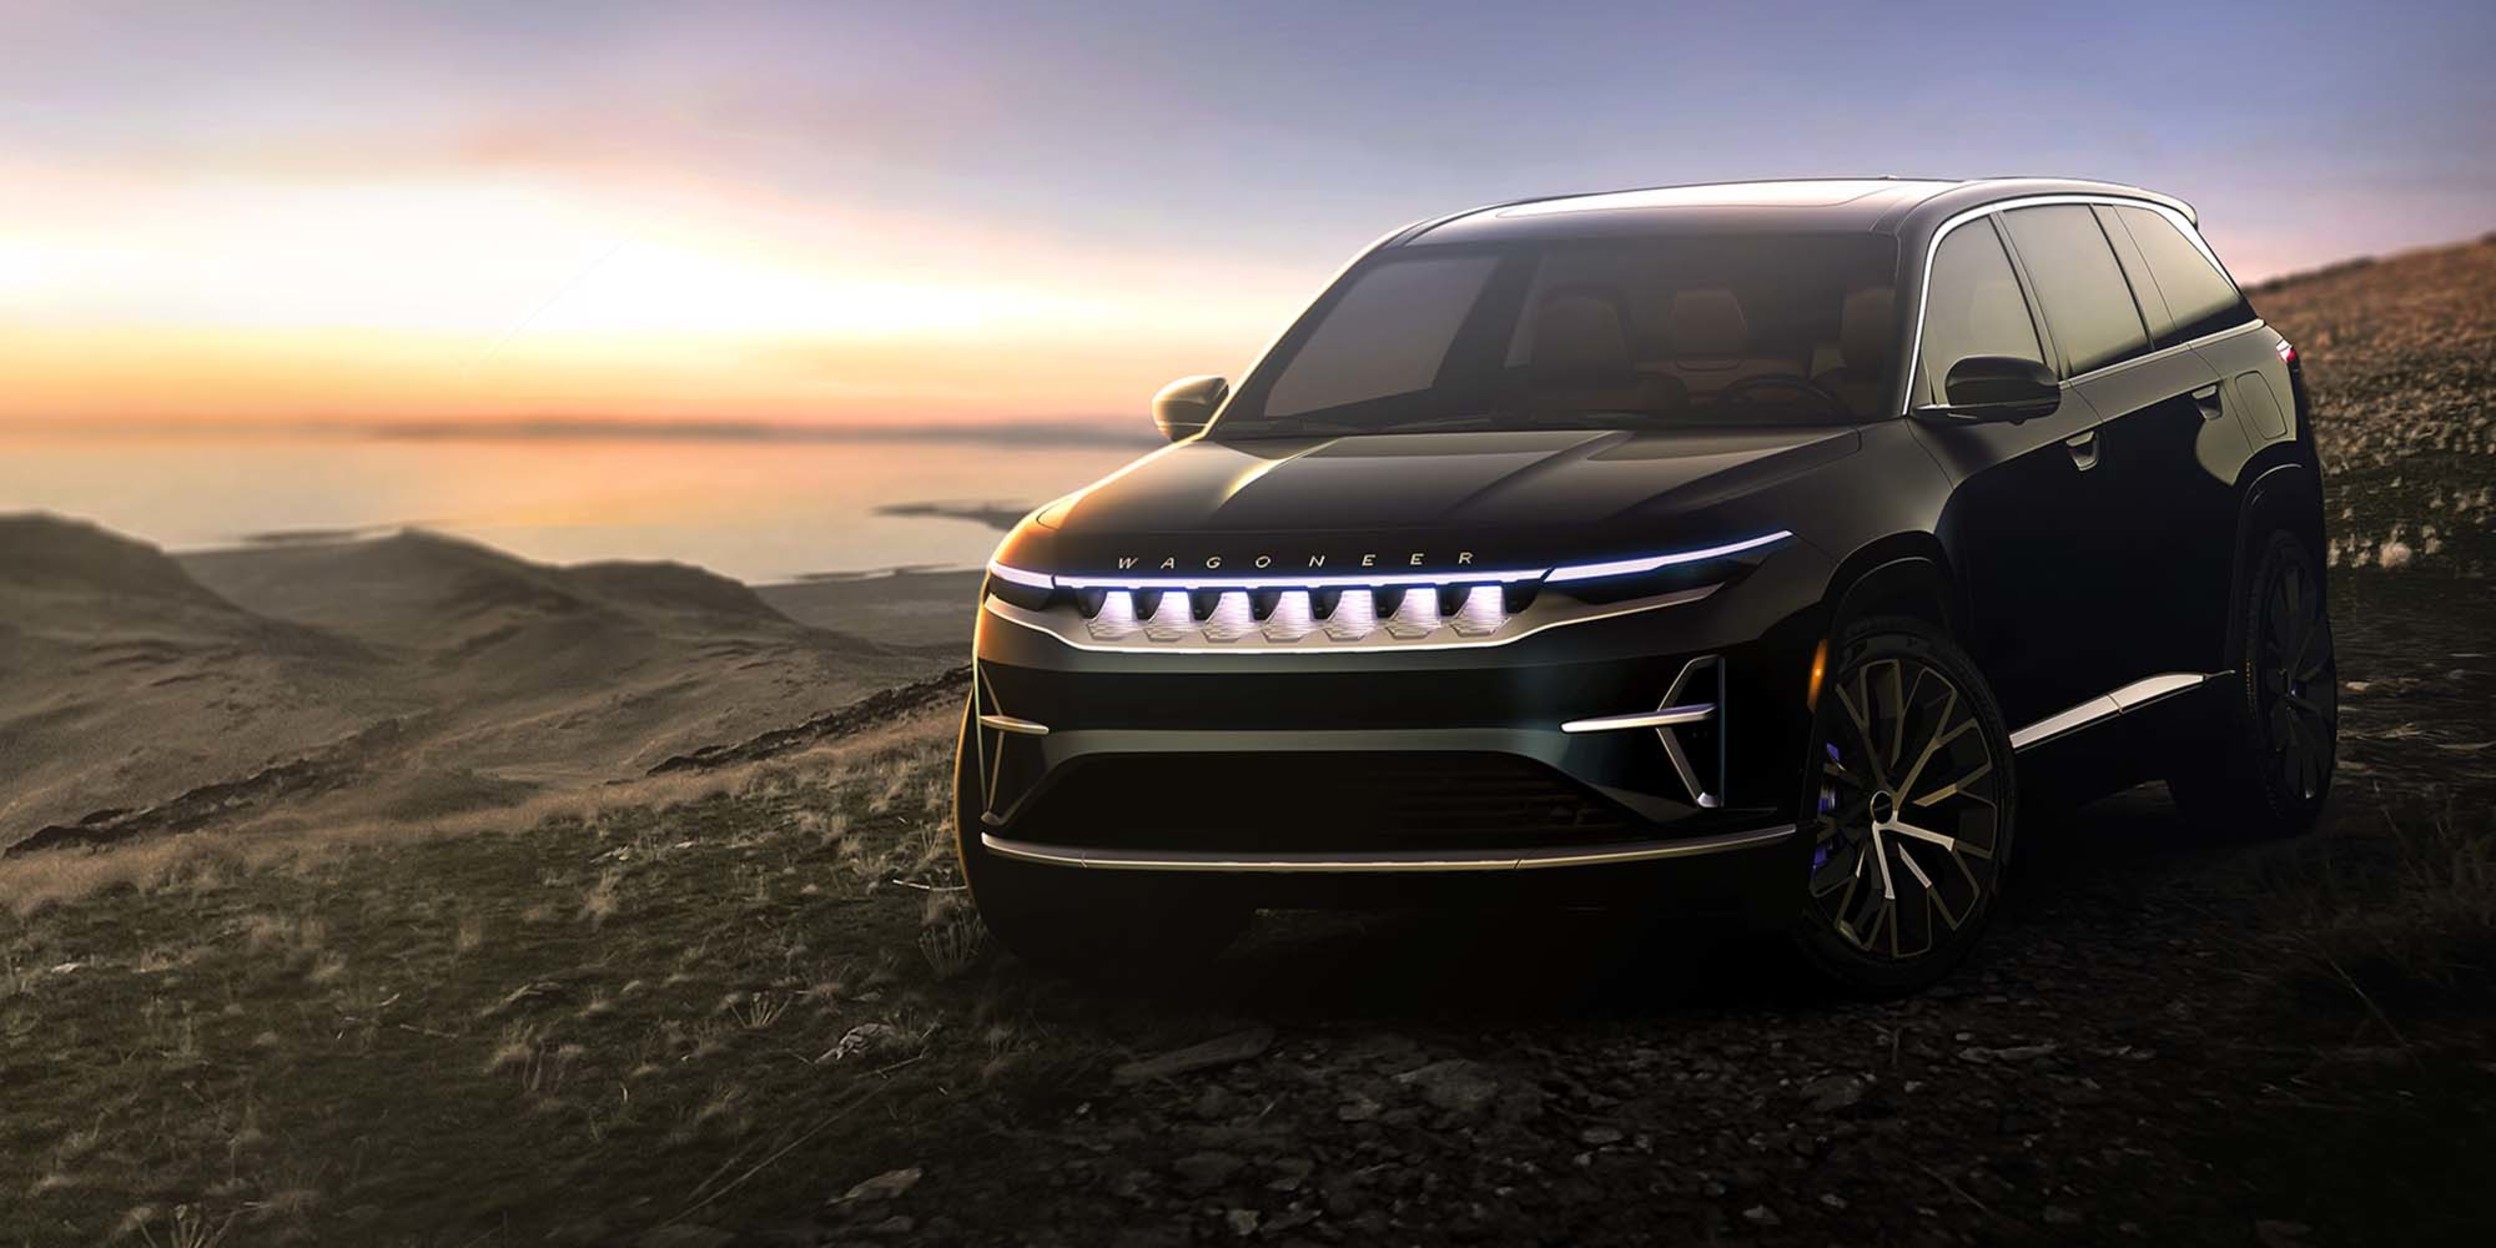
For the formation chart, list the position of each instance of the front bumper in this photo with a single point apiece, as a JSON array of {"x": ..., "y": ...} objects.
[{"x": 1645, "y": 741}]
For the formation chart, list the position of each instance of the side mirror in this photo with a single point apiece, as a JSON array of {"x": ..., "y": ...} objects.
[
  {"x": 1184, "y": 406},
  {"x": 1997, "y": 387}
]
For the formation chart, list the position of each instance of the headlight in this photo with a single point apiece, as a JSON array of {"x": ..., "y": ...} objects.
[
  {"x": 1020, "y": 587},
  {"x": 1652, "y": 563}
]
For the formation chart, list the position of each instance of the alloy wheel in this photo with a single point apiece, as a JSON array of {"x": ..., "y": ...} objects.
[
  {"x": 1909, "y": 821},
  {"x": 2297, "y": 682}
]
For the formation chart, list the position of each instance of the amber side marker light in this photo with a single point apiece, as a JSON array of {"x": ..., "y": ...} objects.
[{"x": 1819, "y": 668}]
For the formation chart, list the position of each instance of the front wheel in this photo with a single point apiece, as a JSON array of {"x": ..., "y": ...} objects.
[
  {"x": 2269, "y": 772},
  {"x": 1094, "y": 924},
  {"x": 1908, "y": 795}
]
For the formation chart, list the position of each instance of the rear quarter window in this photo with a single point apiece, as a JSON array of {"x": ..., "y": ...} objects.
[
  {"x": 2199, "y": 298},
  {"x": 2079, "y": 285}
]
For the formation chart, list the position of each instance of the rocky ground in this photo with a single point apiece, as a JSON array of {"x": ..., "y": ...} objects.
[{"x": 754, "y": 1011}]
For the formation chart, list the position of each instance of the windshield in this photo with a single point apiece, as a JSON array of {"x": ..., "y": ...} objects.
[{"x": 1691, "y": 329}]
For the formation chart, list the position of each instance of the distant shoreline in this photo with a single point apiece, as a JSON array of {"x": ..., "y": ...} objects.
[{"x": 1071, "y": 432}]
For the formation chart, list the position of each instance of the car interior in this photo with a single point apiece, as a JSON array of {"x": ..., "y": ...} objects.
[{"x": 1651, "y": 341}]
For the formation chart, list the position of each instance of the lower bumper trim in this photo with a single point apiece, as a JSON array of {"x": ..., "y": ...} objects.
[{"x": 1483, "y": 860}]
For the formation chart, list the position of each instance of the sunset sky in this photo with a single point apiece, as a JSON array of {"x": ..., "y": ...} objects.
[{"x": 906, "y": 213}]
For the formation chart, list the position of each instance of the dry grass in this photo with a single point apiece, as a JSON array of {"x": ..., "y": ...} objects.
[
  {"x": 247, "y": 1039},
  {"x": 912, "y": 755},
  {"x": 2401, "y": 925}
]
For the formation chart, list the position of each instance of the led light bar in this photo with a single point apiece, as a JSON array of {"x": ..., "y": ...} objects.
[
  {"x": 1467, "y": 576},
  {"x": 1215, "y": 581},
  {"x": 1033, "y": 580},
  {"x": 1630, "y": 567}
]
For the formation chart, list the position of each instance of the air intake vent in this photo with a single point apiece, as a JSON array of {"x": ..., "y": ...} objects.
[{"x": 1319, "y": 803}]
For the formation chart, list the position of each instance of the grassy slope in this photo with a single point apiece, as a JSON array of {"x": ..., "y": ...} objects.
[{"x": 597, "y": 1025}]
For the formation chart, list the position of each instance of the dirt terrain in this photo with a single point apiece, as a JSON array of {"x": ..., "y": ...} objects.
[
  {"x": 745, "y": 1003},
  {"x": 408, "y": 676}
]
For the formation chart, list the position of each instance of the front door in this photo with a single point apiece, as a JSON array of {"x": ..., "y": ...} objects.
[{"x": 2037, "y": 572}]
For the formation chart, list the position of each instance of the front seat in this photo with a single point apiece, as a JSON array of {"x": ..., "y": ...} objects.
[
  {"x": 1709, "y": 340},
  {"x": 1863, "y": 348},
  {"x": 1581, "y": 362}
]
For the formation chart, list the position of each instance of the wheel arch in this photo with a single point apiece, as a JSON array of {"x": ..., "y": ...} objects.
[
  {"x": 2284, "y": 495},
  {"x": 1904, "y": 574}
]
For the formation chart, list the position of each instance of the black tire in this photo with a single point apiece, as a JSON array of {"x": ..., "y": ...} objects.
[
  {"x": 1107, "y": 925},
  {"x": 2271, "y": 768},
  {"x": 1909, "y": 797}
]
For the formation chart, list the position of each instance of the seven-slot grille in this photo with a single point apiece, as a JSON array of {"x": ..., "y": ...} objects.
[{"x": 1317, "y": 615}]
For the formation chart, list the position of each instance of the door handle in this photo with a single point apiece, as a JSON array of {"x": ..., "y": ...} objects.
[
  {"x": 2083, "y": 450},
  {"x": 2207, "y": 399}
]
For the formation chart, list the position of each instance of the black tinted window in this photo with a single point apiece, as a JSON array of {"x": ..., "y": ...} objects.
[
  {"x": 1386, "y": 336},
  {"x": 2199, "y": 297},
  {"x": 1719, "y": 328},
  {"x": 1973, "y": 305},
  {"x": 2079, "y": 285}
]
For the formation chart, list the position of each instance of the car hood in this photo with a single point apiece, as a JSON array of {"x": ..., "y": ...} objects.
[{"x": 1420, "y": 500}]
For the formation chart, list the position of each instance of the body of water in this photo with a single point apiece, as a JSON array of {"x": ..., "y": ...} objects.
[{"x": 757, "y": 510}]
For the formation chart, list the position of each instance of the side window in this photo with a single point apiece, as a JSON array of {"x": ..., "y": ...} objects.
[
  {"x": 2079, "y": 285},
  {"x": 2200, "y": 298},
  {"x": 1972, "y": 305}
]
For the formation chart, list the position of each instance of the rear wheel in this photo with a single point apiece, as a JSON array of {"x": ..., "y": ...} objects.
[
  {"x": 1908, "y": 797},
  {"x": 2272, "y": 767},
  {"x": 1097, "y": 924}
]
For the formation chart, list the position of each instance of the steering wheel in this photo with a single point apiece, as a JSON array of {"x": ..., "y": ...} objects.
[{"x": 1737, "y": 394}]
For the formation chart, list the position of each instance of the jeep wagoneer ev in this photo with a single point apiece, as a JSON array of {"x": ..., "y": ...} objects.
[{"x": 1744, "y": 553}]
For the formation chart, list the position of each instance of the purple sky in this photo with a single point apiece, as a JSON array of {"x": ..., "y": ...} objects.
[{"x": 1174, "y": 177}]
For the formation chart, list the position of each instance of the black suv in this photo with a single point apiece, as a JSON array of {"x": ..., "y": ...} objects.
[{"x": 1746, "y": 552}]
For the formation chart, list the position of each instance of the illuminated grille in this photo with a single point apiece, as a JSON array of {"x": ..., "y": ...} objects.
[
  {"x": 1317, "y": 617},
  {"x": 1319, "y": 803}
]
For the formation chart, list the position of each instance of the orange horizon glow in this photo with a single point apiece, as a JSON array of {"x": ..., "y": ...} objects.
[{"x": 485, "y": 292}]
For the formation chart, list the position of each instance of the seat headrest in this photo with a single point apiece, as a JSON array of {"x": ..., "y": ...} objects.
[
  {"x": 1863, "y": 331},
  {"x": 1579, "y": 337},
  {"x": 1708, "y": 322}
]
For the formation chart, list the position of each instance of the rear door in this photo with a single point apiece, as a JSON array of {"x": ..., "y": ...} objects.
[
  {"x": 2194, "y": 306},
  {"x": 2019, "y": 519},
  {"x": 2153, "y": 509}
]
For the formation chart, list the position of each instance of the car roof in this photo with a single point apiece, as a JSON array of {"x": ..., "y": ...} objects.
[{"x": 1889, "y": 205}]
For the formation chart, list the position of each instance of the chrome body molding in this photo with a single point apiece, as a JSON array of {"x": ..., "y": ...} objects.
[
  {"x": 1658, "y": 718},
  {"x": 1526, "y": 859},
  {"x": 1068, "y": 626},
  {"x": 2174, "y": 210},
  {"x": 2131, "y": 697},
  {"x": 1007, "y": 723}
]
